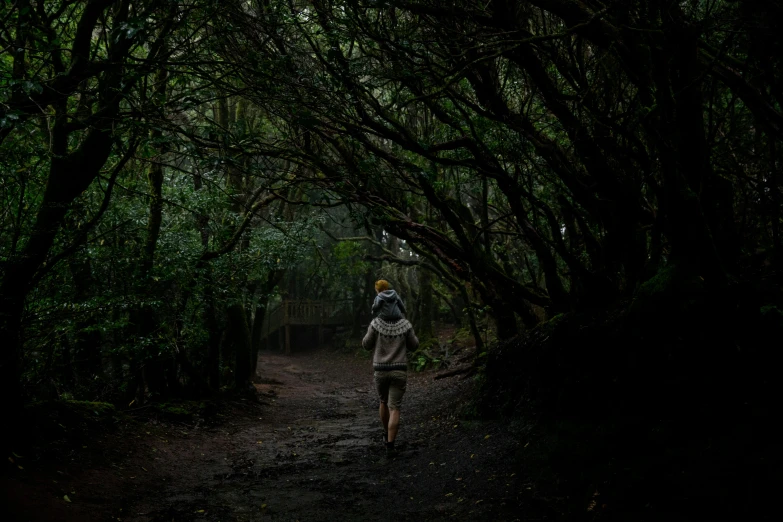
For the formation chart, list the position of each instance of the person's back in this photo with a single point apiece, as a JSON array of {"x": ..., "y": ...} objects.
[
  {"x": 389, "y": 336},
  {"x": 387, "y": 305}
]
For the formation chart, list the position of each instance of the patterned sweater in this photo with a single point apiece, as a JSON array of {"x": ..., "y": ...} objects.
[{"x": 390, "y": 341}]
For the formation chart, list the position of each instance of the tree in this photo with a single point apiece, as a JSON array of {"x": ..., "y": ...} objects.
[
  {"x": 597, "y": 131},
  {"x": 71, "y": 102}
]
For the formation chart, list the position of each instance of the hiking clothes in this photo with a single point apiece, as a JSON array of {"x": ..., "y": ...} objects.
[
  {"x": 391, "y": 387},
  {"x": 388, "y": 306},
  {"x": 390, "y": 342}
]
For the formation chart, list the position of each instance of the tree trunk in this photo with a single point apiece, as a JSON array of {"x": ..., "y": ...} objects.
[
  {"x": 238, "y": 342},
  {"x": 87, "y": 341},
  {"x": 69, "y": 176},
  {"x": 255, "y": 338},
  {"x": 447, "y": 299},
  {"x": 213, "y": 331},
  {"x": 505, "y": 322},
  {"x": 155, "y": 367},
  {"x": 424, "y": 327},
  {"x": 472, "y": 319}
]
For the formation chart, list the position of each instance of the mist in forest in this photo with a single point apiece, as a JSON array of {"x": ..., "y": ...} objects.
[{"x": 578, "y": 203}]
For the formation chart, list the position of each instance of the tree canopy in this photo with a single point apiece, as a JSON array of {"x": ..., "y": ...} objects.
[{"x": 170, "y": 168}]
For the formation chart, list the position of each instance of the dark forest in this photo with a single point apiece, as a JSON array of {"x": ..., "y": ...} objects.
[{"x": 579, "y": 202}]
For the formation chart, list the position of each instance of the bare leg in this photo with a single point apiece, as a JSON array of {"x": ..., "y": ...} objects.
[
  {"x": 394, "y": 424},
  {"x": 383, "y": 413}
]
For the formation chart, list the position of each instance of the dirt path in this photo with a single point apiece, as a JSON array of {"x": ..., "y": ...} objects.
[{"x": 312, "y": 451}]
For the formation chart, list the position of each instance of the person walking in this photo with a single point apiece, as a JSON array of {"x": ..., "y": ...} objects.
[{"x": 390, "y": 341}]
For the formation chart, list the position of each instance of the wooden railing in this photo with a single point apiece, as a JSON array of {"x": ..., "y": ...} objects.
[{"x": 305, "y": 312}]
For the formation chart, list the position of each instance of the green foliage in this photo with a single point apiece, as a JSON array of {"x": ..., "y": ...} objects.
[
  {"x": 463, "y": 337},
  {"x": 348, "y": 254},
  {"x": 662, "y": 282},
  {"x": 425, "y": 357},
  {"x": 772, "y": 314},
  {"x": 292, "y": 169},
  {"x": 672, "y": 293},
  {"x": 96, "y": 408},
  {"x": 420, "y": 362}
]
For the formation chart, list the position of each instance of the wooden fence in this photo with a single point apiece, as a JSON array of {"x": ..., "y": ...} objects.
[{"x": 305, "y": 312}]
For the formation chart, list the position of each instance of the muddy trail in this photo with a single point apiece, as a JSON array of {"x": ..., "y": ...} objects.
[{"x": 310, "y": 449}]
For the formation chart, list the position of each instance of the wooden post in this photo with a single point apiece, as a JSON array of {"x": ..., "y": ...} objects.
[{"x": 287, "y": 339}]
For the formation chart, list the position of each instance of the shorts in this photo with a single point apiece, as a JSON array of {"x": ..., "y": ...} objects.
[{"x": 391, "y": 387}]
